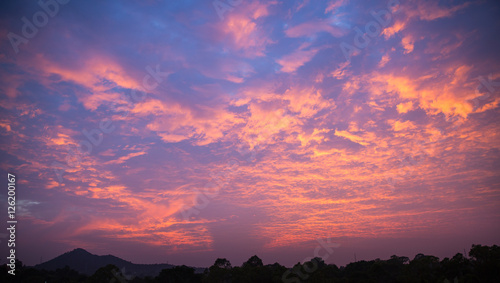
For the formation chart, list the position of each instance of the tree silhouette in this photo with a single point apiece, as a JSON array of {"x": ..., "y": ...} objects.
[
  {"x": 105, "y": 274},
  {"x": 222, "y": 263},
  {"x": 181, "y": 274},
  {"x": 254, "y": 261},
  {"x": 220, "y": 271},
  {"x": 486, "y": 262}
]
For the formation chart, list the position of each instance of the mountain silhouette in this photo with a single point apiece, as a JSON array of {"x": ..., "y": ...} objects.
[{"x": 87, "y": 263}]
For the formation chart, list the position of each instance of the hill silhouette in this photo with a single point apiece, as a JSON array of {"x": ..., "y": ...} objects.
[{"x": 87, "y": 263}]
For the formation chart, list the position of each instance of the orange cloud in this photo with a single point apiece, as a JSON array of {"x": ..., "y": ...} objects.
[
  {"x": 402, "y": 126},
  {"x": 408, "y": 44},
  {"x": 384, "y": 60},
  {"x": 434, "y": 97},
  {"x": 174, "y": 123},
  {"x": 391, "y": 30},
  {"x": 404, "y": 107},
  {"x": 351, "y": 137},
  {"x": 306, "y": 102},
  {"x": 6, "y": 126},
  {"x": 244, "y": 31}
]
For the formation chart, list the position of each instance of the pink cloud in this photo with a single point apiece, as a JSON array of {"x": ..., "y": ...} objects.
[
  {"x": 313, "y": 27},
  {"x": 291, "y": 62}
]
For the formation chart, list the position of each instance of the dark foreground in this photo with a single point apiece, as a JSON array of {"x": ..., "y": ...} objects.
[{"x": 481, "y": 265}]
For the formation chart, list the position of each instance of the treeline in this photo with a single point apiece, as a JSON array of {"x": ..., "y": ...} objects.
[{"x": 482, "y": 265}]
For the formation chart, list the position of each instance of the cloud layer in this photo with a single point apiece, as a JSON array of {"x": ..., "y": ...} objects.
[{"x": 166, "y": 129}]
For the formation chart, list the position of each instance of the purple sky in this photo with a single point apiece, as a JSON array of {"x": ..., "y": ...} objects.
[{"x": 183, "y": 131}]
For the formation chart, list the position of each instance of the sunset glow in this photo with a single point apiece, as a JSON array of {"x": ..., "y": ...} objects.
[{"x": 180, "y": 131}]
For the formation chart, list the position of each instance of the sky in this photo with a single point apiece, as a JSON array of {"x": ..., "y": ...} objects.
[{"x": 184, "y": 131}]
